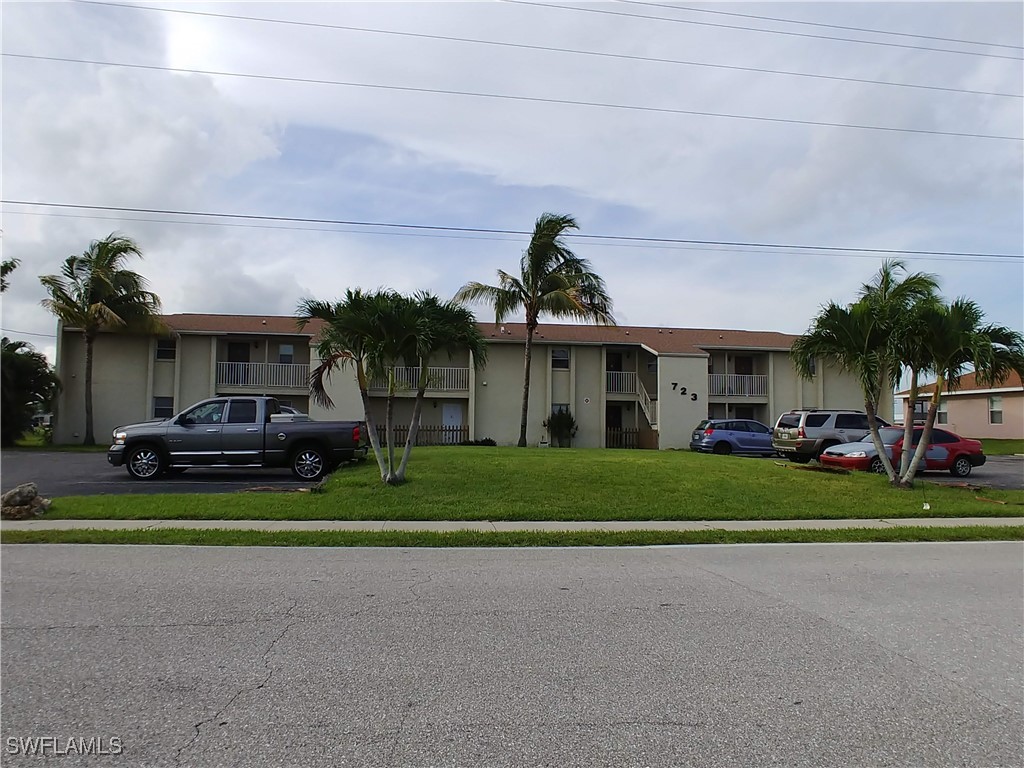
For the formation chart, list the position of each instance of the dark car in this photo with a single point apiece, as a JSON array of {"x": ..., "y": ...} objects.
[{"x": 732, "y": 436}]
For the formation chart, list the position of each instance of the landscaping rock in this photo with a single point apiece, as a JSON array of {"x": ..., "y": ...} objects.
[{"x": 23, "y": 502}]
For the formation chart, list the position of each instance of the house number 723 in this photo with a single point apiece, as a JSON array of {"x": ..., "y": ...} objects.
[{"x": 682, "y": 390}]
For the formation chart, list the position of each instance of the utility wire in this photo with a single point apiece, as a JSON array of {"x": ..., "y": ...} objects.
[
  {"x": 765, "y": 31},
  {"x": 553, "y": 49},
  {"x": 494, "y": 231},
  {"x": 29, "y": 333},
  {"x": 818, "y": 24},
  {"x": 512, "y": 97},
  {"x": 725, "y": 249}
]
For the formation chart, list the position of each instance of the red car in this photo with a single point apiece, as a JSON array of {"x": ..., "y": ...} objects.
[{"x": 946, "y": 451}]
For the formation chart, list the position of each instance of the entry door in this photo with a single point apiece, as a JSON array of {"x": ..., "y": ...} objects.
[
  {"x": 238, "y": 356},
  {"x": 613, "y": 362},
  {"x": 451, "y": 420},
  {"x": 743, "y": 366}
]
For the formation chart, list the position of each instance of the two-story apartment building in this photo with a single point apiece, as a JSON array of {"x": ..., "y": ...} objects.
[
  {"x": 973, "y": 409},
  {"x": 626, "y": 386}
]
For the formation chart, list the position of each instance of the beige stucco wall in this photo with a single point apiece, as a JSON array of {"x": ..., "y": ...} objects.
[
  {"x": 344, "y": 392},
  {"x": 589, "y": 377},
  {"x": 499, "y": 394},
  {"x": 195, "y": 373},
  {"x": 679, "y": 413},
  {"x": 121, "y": 366}
]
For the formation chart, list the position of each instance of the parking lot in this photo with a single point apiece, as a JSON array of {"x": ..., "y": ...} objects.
[{"x": 88, "y": 474}]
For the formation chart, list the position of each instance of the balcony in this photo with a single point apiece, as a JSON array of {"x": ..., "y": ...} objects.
[
  {"x": 438, "y": 380},
  {"x": 737, "y": 385},
  {"x": 620, "y": 382},
  {"x": 265, "y": 376}
]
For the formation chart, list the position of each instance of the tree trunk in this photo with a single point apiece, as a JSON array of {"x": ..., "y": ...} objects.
[
  {"x": 530, "y": 327},
  {"x": 371, "y": 426},
  {"x": 907, "y": 481},
  {"x": 876, "y": 440},
  {"x": 90, "y": 438},
  {"x": 908, "y": 426},
  {"x": 414, "y": 424},
  {"x": 389, "y": 427}
]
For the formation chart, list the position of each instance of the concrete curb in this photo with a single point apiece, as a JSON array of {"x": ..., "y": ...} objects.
[{"x": 42, "y": 524}]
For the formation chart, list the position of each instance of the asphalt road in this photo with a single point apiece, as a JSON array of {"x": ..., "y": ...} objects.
[
  {"x": 87, "y": 474},
  {"x": 807, "y": 655}
]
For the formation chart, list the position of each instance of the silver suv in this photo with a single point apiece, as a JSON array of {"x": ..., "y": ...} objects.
[{"x": 805, "y": 434}]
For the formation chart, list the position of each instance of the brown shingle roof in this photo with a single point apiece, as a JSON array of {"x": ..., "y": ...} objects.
[
  {"x": 663, "y": 340},
  {"x": 969, "y": 382}
]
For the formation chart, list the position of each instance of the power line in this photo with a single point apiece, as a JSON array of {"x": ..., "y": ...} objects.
[
  {"x": 517, "y": 238},
  {"x": 819, "y": 24},
  {"x": 511, "y": 97},
  {"x": 29, "y": 333},
  {"x": 765, "y": 31},
  {"x": 494, "y": 231},
  {"x": 553, "y": 49}
]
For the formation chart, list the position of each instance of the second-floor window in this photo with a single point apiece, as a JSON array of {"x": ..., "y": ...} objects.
[
  {"x": 286, "y": 353},
  {"x": 560, "y": 358},
  {"x": 166, "y": 349}
]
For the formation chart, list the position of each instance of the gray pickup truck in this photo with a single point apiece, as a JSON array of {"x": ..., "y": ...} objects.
[{"x": 237, "y": 432}]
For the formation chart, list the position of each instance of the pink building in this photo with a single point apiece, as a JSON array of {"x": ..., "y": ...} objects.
[{"x": 972, "y": 410}]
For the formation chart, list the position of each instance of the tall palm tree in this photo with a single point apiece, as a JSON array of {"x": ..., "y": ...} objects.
[
  {"x": 94, "y": 293},
  {"x": 862, "y": 338},
  {"x": 553, "y": 281},
  {"x": 959, "y": 339},
  {"x": 441, "y": 328}
]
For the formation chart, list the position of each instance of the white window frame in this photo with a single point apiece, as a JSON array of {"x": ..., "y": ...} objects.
[
  {"x": 290, "y": 354},
  {"x": 995, "y": 409},
  {"x": 942, "y": 415},
  {"x": 567, "y": 358}
]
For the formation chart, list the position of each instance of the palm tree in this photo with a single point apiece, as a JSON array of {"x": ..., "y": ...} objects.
[
  {"x": 862, "y": 338},
  {"x": 349, "y": 337},
  {"x": 552, "y": 280},
  {"x": 6, "y": 267},
  {"x": 441, "y": 328},
  {"x": 958, "y": 339},
  {"x": 94, "y": 293}
]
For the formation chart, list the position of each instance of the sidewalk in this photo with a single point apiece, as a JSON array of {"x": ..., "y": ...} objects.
[{"x": 41, "y": 524}]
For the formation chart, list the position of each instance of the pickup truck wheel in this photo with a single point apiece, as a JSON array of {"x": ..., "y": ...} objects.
[
  {"x": 144, "y": 463},
  {"x": 308, "y": 463}
]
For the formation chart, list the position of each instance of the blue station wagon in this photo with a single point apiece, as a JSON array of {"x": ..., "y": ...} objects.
[{"x": 732, "y": 436}]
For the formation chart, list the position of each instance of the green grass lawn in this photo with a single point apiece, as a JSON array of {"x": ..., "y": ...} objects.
[
  {"x": 228, "y": 538},
  {"x": 993, "y": 447},
  {"x": 482, "y": 483}
]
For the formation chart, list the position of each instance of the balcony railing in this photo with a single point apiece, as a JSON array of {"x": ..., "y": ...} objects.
[
  {"x": 438, "y": 380},
  {"x": 620, "y": 382},
  {"x": 737, "y": 385},
  {"x": 263, "y": 375}
]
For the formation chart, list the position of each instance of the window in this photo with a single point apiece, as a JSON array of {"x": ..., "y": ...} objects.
[
  {"x": 560, "y": 358},
  {"x": 166, "y": 349},
  {"x": 652, "y": 365},
  {"x": 242, "y": 412},
  {"x": 921, "y": 411},
  {"x": 995, "y": 409},
  {"x": 941, "y": 436},
  {"x": 163, "y": 407},
  {"x": 816, "y": 419},
  {"x": 812, "y": 367},
  {"x": 559, "y": 407},
  {"x": 207, "y": 413},
  {"x": 789, "y": 421},
  {"x": 737, "y": 426},
  {"x": 942, "y": 416},
  {"x": 285, "y": 353},
  {"x": 851, "y": 421}
]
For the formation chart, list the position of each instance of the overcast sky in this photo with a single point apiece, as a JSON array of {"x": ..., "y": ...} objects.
[{"x": 105, "y": 135}]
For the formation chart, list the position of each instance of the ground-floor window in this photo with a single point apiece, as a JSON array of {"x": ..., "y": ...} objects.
[
  {"x": 995, "y": 409},
  {"x": 163, "y": 407},
  {"x": 942, "y": 416}
]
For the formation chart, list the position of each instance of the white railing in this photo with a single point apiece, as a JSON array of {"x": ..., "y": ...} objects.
[
  {"x": 620, "y": 382},
  {"x": 438, "y": 380},
  {"x": 263, "y": 375},
  {"x": 737, "y": 385},
  {"x": 650, "y": 407}
]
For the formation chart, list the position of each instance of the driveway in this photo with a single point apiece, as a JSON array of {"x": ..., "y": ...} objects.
[
  {"x": 59, "y": 473},
  {"x": 806, "y": 655}
]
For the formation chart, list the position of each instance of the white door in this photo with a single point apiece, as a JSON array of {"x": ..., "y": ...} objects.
[{"x": 451, "y": 419}]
